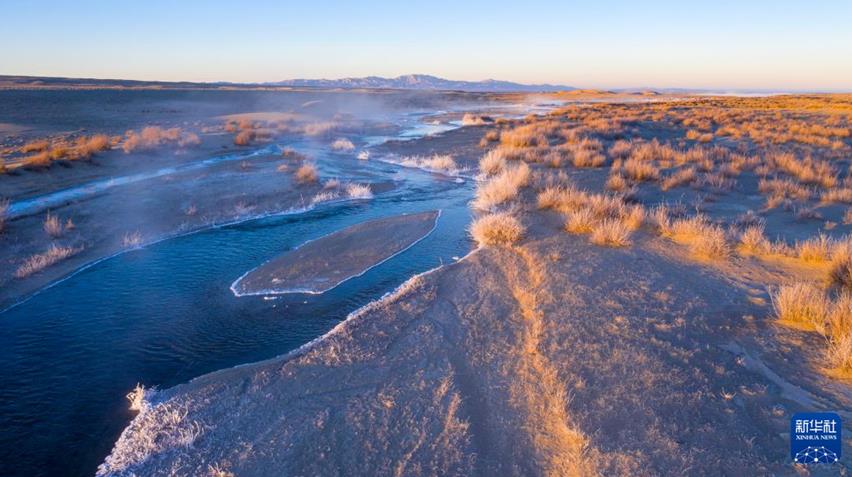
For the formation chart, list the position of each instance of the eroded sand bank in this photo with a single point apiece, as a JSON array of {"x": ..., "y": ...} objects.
[
  {"x": 322, "y": 264},
  {"x": 554, "y": 357}
]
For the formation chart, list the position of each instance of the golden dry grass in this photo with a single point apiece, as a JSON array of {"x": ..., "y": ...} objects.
[
  {"x": 753, "y": 241},
  {"x": 502, "y": 187},
  {"x": 580, "y": 221},
  {"x": 306, "y": 174},
  {"x": 611, "y": 233},
  {"x": 805, "y": 306},
  {"x": 496, "y": 229},
  {"x": 39, "y": 262},
  {"x": 704, "y": 239}
]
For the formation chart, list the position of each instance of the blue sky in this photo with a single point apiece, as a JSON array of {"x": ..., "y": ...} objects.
[{"x": 713, "y": 44}]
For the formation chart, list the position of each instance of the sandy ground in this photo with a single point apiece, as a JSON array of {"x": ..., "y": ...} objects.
[
  {"x": 322, "y": 264},
  {"x": 636, "y": 349}
]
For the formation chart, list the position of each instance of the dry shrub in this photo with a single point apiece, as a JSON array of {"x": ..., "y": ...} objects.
[
  {"x": 435, "y": 162},
  {"x": 588, "y": 158},
  {"x": 580, "y": 221},
  {"x": 815, "y": 249},
  {"x": 492, "y": 163},
  {"x": 440, "y": 162},
  {"x": 610, "y": 232},
  {"x": 189, "y": 139},
  {"x": 806, "y": 306},
  {"x": 342, "y": 144},
  {"x": 40, "y": 261},
  {"x": 640, "y": 170},
  {"x": 324, "y": 196},
  {"x": 87, "y": 146},
  {"x": 524, "y": 136},
  {"x": 554, "y": 159},
  {"x": 840, "y": 273},
  {"x": 306, "y": 174},
  {"x": 779, "y": 189},
  {"x": 616, "y": 182},
  {"x": 244, "y": 138},
  {"x": 753, "y": 240},
  {"x": 38, "y": 145},
  {"x": 151, "y": 137},
  {"x": 489, "y": 137},
  {"x": 476, "y": 119},
  {"x": 621, "y": 149},
  {"x": 52, "y": 225},
  {"x": 807, "y": 170},
  {"x": 550, "y": 197},
  {"x": 502, "y": 187},
  {"x": 605, "y": 206},
  {"x": 496, "y": 229},
  {"x": 359, "y": 191},
  {"x": 682, "y": 177},
  {"x": 562, "y": 198},
  {"x": 634, "y": 217},
  {"x": 839, "y": 355},
  {"x": 842, "y": 194},
  {"x": 60, "y": 152},
  {"x": 705, "y": 239},
  {"x": 803, "y": 305},
  {"x": 131, "y": 240},
  {"x": 37, "y": 161}
]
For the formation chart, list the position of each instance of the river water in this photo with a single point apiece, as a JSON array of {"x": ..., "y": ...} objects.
[{"x": 164, "y": 314}]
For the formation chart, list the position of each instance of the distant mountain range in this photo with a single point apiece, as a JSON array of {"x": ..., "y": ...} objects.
[{"x": 421, "y": 82}]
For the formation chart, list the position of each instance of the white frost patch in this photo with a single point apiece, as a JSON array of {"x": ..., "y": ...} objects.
[{"x": 158, "y": 429}]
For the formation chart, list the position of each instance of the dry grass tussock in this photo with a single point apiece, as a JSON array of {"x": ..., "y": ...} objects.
[
  {"x": 502, "y": 187},
  {"x": 437, "y": 162},
  {"x": 470, "y": 119},
  {"x": 132, "y": 240},
  {"x": 608, "y": 219},
  {"x": 806, "y": 170},
  {"x": 40, "y": 261},
  {"x": 611, "y": 232},
  {"x": 306, "y": 174},
  {"x": 496, "y": 229},
  {"x": 753, "y": 241},
  {"x": 806, "y": 306},
  {"x": 359, "y": 191},
  {"x": 342, "y": 144},
  {"x": 53, "y": 226},
  {"x": 492, "y": 162},
  {"x": 704, "y": 238},
  {"x": 151, "y": 137}
]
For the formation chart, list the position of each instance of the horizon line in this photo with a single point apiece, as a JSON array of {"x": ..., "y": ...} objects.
[{"x": 567, "y": 87}]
